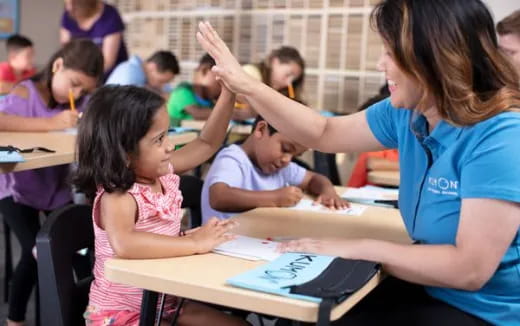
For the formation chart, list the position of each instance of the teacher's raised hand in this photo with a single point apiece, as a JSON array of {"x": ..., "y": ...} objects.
[{"x": 228, "y": 70}]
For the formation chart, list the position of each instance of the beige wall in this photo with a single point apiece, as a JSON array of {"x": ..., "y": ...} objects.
[
  {"x": 40, "y": 21},
  {"x": 502, "y": 8}
]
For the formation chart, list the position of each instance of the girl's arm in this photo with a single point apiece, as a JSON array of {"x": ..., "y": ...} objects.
[
  {"x": 340, "y": 134},
  {"x": 481, "y": 243},
  {"x": 211, "y": 136},
  {"x": 118, "y": 215},
  {"x": 18, "y": 102},
  {"x": 110, "y": 49}
]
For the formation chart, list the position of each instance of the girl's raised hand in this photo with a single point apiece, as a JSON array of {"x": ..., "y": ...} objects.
[
  {"x": 211, "y": 234},
  {"x": 228, "y": 70}
]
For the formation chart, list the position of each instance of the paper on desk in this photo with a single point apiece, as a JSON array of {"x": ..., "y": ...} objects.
[
  {"x": 370, "y": 193},
  {"x": 71, "y": 131},
  {"x": 309, "y": 205},
  {"x": 11, "y": 157},
  {"x": 249, "y": 248}
]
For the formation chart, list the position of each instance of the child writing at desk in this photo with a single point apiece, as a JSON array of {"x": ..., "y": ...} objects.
[
  {"x": 194, "y": 101},
  {"x": 42, "y": 103},
  {"x": 283, "y": 70},
  {"x": 126, "y": 157},
  {"x": 259, "y": 173}
]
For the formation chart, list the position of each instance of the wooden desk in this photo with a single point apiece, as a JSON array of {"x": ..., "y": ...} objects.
[
  {"x": 384, "y": 178},
  {"x": 62, "y": 142},
  {"x": 203, "y": 277}
]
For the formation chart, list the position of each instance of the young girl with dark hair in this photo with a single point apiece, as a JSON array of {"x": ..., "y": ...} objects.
[
  {"x": 42, "y": 104},
  {"x": 126, "y": 159}
]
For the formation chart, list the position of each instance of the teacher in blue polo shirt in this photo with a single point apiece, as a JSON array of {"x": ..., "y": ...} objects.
[{"x": 453, "y": 116}]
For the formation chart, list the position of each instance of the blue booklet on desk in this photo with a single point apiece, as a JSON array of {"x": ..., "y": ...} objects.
[
  {"x": 279, "y": 275},
  {"x": 11, "y": 157}
]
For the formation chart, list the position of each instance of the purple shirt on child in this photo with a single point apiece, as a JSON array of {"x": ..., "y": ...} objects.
[
  {"x": 45, "y": 188},
  {"x": 109, "y": 22},
  {"x": 233, "y": 167}
]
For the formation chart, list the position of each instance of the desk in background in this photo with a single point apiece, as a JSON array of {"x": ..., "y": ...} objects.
[
  {"x": 62, "y": 142},
  {"x": 384, "y": 178}
]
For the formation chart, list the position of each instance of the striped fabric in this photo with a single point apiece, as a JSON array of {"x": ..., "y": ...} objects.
[{"x": 157, "y": 213}]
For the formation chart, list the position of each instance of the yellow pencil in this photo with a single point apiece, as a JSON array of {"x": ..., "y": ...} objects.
[
  {"x": 71, "y": 100},
  {"x": 290, "y": 90},
  {"x": 239, "y": 105}
]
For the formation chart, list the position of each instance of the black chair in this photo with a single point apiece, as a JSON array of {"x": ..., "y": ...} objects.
[
  {"x": 191, "y": 189},
  {"x": 8, "y": 254},
  {"x": 64, "y": 275}
]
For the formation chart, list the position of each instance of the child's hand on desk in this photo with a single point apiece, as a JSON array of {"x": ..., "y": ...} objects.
[
  {"x": 63, "y": 120},
  {"x": 288, "y": 196},
  {"x": 332, "y": 200},
  {"x": 211, "y": 234}
]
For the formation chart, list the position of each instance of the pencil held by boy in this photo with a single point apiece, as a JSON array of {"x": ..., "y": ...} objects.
[
  {"x": 194, "y": 101},
  {"x": 19, "y": 64},
  {"x": 260, "y": 173}
]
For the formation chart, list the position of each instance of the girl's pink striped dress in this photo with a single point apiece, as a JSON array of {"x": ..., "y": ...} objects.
[{"x": 116, "y": 304}]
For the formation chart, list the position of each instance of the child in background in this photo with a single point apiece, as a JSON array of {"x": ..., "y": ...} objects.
[
  {"x": 19, "y": 64},
  {"x": 387, "y": 160},
  {"x": 283, "y": 70},
  {"x": 136, "y": 213},
  {"x": 194, "y": 101},
  {"x": 42, "y": 104},
  {"x": 155, "y": 73},
  {"x": 259, "y": 173}
]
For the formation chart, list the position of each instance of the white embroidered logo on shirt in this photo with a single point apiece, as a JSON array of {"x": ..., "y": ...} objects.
[{"x": 443, "y": 186}]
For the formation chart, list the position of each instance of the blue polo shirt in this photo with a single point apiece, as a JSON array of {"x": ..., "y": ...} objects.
[
  {"x": 130, "y": 72},
  {"x": 440, "y": 168}
]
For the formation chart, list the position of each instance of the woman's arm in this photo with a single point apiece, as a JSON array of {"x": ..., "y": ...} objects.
[
  {"x": 64, "y": 36},
  {"x": 211, "y": 136},
  {"x": 480, "y": 245},
  {"x": 110, "y": 49},
  {"x": 339, "y": 134}
]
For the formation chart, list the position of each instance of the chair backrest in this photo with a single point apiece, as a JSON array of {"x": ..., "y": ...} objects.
[
  {"x": 191, "y": 189},
  {"x": 64, "y": 290}
]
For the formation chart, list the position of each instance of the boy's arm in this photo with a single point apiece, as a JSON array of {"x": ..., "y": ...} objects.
[
  {"x": 211, "y": 136},
  {"x": 320, "y": 186},
  {"x": 225, "y": 198},
  {"x": 198, "y": 112}
]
